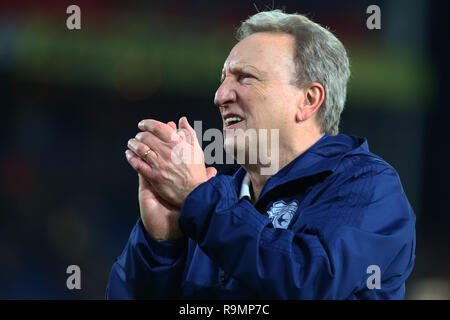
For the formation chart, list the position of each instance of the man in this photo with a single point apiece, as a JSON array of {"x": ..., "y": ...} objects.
[{"x": 332, "y": 223}]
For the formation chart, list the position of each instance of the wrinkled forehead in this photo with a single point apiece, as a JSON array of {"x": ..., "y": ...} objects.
[{"x": 268, "y": 52}]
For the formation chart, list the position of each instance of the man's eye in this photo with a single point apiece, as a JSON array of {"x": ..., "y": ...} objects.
[{"x": 245, "y": 76}]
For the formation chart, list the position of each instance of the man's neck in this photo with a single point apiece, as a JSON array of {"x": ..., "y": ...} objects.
[
  {"x": 257, "y": 181},
  {"x": 286, "y": 155}
]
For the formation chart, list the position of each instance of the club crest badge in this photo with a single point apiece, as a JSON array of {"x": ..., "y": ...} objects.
[{"x": 281, "y": 213}]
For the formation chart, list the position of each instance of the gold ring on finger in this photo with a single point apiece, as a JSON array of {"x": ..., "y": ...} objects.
[{"x": 146, "y": 153}]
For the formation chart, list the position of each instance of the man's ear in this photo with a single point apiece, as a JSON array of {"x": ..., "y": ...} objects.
[{"x": 314, "y": 95}]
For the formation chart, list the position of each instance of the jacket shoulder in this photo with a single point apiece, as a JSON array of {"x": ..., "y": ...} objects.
[
  {"x": 371, "y": 189},
  {"x": 366, "y": 165}
]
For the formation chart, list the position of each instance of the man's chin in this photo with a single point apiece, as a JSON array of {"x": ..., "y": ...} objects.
[
  {"x": 239, "y": 152},
  {"x": 230, "y": 147}
]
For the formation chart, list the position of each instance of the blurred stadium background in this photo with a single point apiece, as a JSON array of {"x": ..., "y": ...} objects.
[{"x": 71, "y": 100}]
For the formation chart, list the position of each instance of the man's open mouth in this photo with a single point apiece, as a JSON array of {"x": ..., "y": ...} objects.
[{"x": 232, "y": 120}]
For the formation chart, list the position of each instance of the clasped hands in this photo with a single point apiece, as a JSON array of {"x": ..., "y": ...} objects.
[{"x": 170, "y": 165}]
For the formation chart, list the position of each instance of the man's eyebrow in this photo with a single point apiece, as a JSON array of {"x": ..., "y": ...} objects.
[
  {"x": 244, "y": 68},
  {"x": 247, "y": 67}
]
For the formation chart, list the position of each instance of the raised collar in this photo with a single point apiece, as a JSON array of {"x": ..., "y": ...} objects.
[{"x": 323, "y": 156}]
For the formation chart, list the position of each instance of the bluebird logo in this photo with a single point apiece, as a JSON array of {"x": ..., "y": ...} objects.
[{"x": 281, "y": 213}]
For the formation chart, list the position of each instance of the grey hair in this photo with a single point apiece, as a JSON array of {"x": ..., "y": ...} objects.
[{"x": 319, "y": 57}]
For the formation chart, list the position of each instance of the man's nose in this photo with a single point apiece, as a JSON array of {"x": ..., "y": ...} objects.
[{"x": 225, "y": 94}]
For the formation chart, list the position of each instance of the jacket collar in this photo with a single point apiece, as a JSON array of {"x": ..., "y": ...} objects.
[
  {"x": 323, "y": 156},
  {"x": 245, "y": 188}
]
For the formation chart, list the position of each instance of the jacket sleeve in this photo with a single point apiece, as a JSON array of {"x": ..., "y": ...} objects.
[
  {"x": 147, "y": 269},
  {"x": 328, "y": 253}
]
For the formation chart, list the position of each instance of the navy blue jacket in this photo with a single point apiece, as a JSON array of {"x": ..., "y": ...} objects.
[{"x": 333, "y": 224}]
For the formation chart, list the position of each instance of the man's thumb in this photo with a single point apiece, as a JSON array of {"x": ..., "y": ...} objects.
[
  {"x": 211, "y": 172},
  {"x": 183, "y": 124}
]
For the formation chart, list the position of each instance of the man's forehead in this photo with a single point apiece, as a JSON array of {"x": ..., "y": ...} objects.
[
  {"x": 245, "y": 60},
  {"x": 260, "y": 51}
]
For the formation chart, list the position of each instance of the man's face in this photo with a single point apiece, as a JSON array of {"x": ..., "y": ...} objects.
[{"x": 257, "y": 90}]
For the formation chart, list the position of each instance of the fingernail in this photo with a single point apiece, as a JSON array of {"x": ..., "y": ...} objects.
[
  {"x": 138, "y": 135},
  {"x": 141, "y": 124},
  {"x": 127, "y": 154},
  {"x": 131, "y": 143}
]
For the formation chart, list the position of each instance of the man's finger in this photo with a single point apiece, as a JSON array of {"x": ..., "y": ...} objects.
[
  {"x": 161, "y": 130},
  {"x": 158, "y": 149},
  {"x": 185, "y": 126},
  {"x": 172, "y": 124},
  {"x": 139, "y": 165},
  {"x": 143, "y": 151}
]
